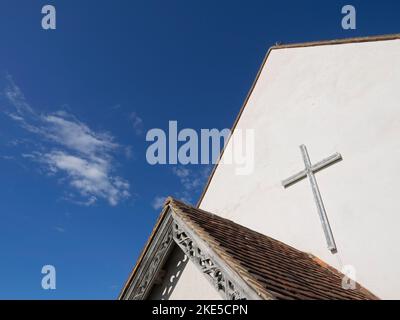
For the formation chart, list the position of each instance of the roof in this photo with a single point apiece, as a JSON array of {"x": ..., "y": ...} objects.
[
  {"x": 145, "y": 250},
  {"x": 270, "y": 267}
]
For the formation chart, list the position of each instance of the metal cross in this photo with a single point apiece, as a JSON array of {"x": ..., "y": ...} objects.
[{"x": 309, "y": 172}]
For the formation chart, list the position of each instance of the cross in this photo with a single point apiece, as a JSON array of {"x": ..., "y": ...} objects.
[{"x": 309, "y": 172}]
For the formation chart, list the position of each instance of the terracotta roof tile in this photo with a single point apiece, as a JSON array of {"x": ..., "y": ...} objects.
[{"x": 269, "y": 266}]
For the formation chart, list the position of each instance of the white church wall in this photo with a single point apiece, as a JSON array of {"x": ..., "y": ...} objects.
[
  {"x": 183, "y": 281},
  {"x": 337, "y": 98}
]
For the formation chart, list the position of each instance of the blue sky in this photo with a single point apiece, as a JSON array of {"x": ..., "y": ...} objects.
[{"x": 76, "y": 191}]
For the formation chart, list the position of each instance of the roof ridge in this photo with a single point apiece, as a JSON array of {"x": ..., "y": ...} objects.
[
  {"x": 386, "y": 37},
  {"x": 173, "y": 200}
]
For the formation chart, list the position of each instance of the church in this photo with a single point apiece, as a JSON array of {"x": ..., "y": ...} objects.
[{"x": 318, "y": 218}]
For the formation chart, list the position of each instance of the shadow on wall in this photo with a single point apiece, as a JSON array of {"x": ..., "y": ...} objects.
[{"x": 173, "y": 270}]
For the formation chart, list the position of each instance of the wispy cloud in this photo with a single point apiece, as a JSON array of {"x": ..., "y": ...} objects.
[
  {"x": 14, "y": 94},
  {"x": 6, "y": 157},
  {"x": 90, "y": 177},
  {"x": 70, "y": 149},
  {"x": 59, "y": 229},
  {"x": 181, "y": 172},
  {"x": 191, "y": 180},
  {"x": 66, "y": 130},
  {"x": 158, "y": 202},
  {"x": 137, "y": 123},
  {"x": 128, "y": 151}
]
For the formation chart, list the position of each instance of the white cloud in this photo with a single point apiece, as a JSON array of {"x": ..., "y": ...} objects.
[
  {"x": 59, "y": 229},
  {"x": 191, "y": 180},
  {"x": 83, "y": 156},
  {"x": 137, "y": 123},
  {"x": 15, "y": 117},
  {"x": 91, "y": 178},
  {"x": 64, "y": 129},
  {"x": 128, "y": 151},
  {"x": 6, "y": 157},
  {"x": 181, "y": 172},
  {"x": 15, "y": 96},
  {"x": 158, "y": 202}
]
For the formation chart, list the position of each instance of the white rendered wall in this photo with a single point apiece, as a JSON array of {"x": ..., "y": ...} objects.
[
  {"x": 178, "y": 285},
  {"x": 337, "y": 98}
]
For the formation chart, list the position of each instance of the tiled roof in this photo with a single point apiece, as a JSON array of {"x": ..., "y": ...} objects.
[{"x": 270, "y": 267}]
